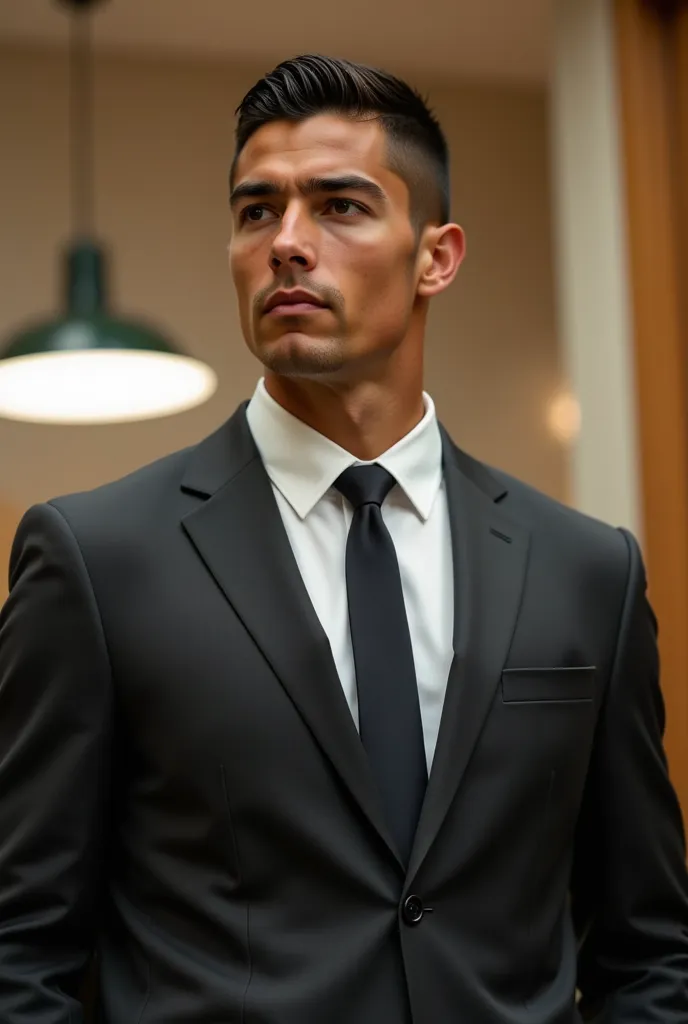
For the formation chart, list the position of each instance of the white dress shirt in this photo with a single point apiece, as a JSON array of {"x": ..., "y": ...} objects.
[{"x": 302, "y": 465}]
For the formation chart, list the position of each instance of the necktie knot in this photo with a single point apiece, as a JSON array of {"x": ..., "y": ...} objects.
[{"x": 365, "y": 485}]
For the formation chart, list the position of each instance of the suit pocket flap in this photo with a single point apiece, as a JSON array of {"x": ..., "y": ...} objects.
[{"x": 548, "y": 684}]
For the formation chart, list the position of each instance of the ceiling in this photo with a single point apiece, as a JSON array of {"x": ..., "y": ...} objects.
[{"x": 506, "y": 40}]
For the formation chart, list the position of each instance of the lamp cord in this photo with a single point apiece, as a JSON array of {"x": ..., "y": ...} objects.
[{"x": 81, "y": 123}]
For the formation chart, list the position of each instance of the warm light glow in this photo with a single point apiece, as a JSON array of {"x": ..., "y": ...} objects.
[
  {"x": 104, "y": 386},
  {"x": 564, "y": 417}
]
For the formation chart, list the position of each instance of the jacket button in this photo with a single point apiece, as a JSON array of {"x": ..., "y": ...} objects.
[{"x": 412, "y": 910}]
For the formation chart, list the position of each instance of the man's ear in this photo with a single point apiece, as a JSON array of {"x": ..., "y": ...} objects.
[{"x": 443, "y": 249}]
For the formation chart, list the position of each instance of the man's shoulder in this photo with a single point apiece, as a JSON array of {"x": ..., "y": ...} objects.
[
  {"x": 166, "y": 488},
  {"x": 124, "y": 518},
  {"x": 146, "y": 506},
  {"x": 551, "y": 523},
  {"x": 537, "y": 503},
  {"x": 148, "y": 483},
  {"x": 560, "y": 528}
]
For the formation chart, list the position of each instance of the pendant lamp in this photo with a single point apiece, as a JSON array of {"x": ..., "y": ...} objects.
[{"x": 89, "y": 365}]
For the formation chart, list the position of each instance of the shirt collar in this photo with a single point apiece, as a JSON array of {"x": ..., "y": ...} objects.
[{"x": 303, "y": 464}]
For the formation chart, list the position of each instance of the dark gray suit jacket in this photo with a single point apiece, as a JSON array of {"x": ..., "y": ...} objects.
[{"x": 182, "y": 787}]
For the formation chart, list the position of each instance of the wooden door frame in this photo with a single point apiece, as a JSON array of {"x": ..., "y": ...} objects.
[{"x": 651, "y": 39}]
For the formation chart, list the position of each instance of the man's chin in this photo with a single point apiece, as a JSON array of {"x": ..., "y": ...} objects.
[{"x": 301, "y": 355}]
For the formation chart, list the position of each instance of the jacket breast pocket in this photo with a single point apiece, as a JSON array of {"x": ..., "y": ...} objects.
[{"x": 545, "y": 685}]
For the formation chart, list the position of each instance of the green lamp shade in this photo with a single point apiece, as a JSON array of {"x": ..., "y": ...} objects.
[{"x": 91, "y": 367}]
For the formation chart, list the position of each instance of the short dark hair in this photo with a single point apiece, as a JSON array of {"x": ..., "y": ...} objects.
[{"x": 312, "y": 84}]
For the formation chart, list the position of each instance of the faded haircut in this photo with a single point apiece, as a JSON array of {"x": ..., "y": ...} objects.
[{"x": 312, "y": 84}]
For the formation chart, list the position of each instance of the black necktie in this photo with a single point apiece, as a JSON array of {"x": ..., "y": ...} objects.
[{"x": 389, "y": 712}]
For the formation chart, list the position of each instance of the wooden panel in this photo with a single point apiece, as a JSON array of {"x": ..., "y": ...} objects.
[
  {"x": 9, "y": 520},
  {"x": 679, "y": 44},
  {"x": 649, "y": 140}
]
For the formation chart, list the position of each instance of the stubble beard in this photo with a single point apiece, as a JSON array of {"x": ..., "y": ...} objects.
[{"x": 297, "y": 354}]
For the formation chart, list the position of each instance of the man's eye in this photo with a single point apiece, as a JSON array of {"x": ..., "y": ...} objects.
[
  {"x": 253, "y": 214},
  {"x": 345, "y": 207}
]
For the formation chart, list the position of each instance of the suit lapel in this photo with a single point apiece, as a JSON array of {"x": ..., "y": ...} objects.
[
  {"x": 490, "y": 554},
  {"x": 239, "y": 534}
]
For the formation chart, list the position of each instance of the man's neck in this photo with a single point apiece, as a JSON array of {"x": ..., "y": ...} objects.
[{"x": 364, "y": 419}]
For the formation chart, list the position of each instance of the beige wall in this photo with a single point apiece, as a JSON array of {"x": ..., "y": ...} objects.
[
  {"x": 596, "y": 321},
  {"x": 163, "y": 146}
]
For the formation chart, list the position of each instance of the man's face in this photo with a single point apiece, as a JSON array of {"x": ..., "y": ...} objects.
[{"x": 315, "y": 209}]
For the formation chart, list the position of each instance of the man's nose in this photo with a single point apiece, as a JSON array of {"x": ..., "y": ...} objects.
[{"x": 294, "y": 243}]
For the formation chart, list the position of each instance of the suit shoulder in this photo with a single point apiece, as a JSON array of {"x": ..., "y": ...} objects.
[
  {"x": 565, "y": 527},
  {"x": 142, "y": 511},
  {"x": 537, "y": 511},
  {"x": 142, "y": 495},
  {"x": 161, "y": 471}
]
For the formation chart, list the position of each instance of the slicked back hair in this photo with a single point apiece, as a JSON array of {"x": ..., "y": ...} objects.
[{"x": 312, "y": 84}]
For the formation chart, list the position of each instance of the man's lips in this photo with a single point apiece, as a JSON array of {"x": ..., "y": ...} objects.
[
  {"x": 292, "y": 303},
  {"x": 295, "y": 309}
]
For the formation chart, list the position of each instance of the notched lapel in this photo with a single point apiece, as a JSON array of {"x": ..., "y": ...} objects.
[
  {"x": 239, "y": 534},
  {"x": 490, "y": 556}
]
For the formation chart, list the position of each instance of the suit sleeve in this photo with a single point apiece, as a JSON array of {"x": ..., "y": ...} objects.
[
  {"x": 629, "y": 882},
  {"x": 55, "y": 723}
]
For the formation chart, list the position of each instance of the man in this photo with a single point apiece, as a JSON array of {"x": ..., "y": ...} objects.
[{"x": 321, "y": 721}]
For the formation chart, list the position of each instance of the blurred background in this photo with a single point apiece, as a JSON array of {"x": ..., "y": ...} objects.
[{"x": 559, "y": 354}]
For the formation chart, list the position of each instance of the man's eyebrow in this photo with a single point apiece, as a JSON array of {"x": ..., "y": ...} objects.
[
  {"x": 254, "y": 190},
  {"x": 343, "y": 183}
]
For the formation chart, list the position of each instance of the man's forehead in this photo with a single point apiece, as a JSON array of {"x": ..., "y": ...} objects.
[{"x": 325, "y": 142}]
